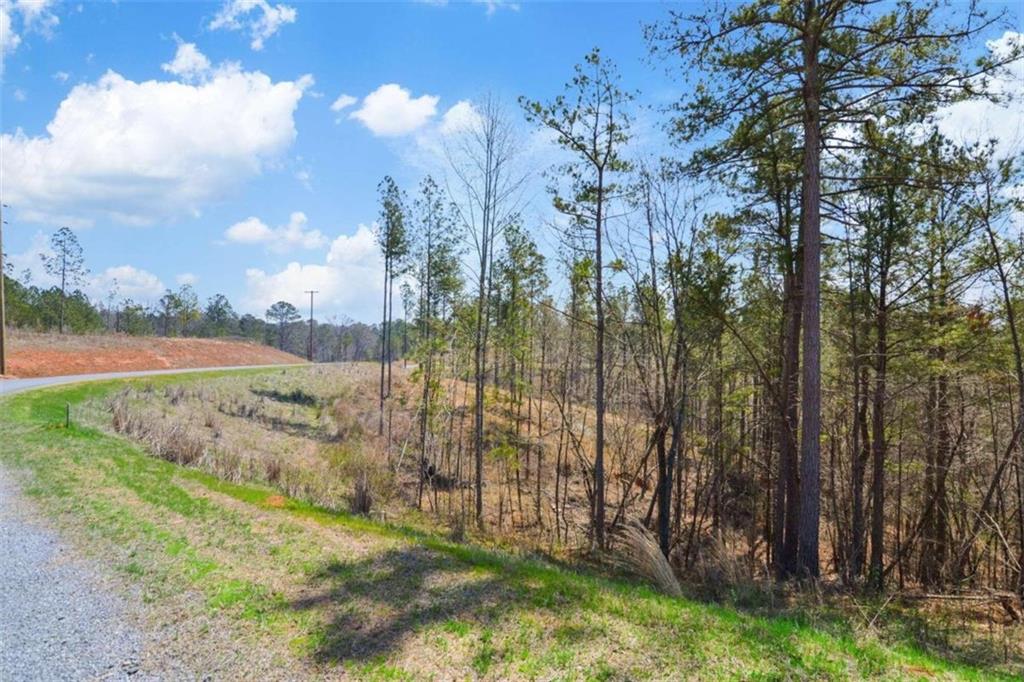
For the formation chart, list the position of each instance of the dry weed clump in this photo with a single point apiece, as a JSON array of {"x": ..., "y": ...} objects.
[
  {"x": 638, "y": 552},
  {"x": 362, "y": 496},
  {"x": 272, "y": 470},
  {"x": 175, "y": 441},
  {"x": 722, "y": 574},
  {"x": 312, "y": 486},
  {"x": 371, "y": 478},
  {"x": 347, "y": 422}
]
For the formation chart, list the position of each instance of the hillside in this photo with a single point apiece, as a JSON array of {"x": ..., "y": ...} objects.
[
  {"x": 295, "y": 590},
  {"x": 37, "y": 355}
]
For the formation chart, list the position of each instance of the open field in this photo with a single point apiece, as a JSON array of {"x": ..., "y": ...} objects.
[
  {"x": 263, "y": 584},
  {"x": 37, "y": 355}
]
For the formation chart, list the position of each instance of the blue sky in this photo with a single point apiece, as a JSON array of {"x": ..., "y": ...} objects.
[
  {"x": 330, "y": 169},
  {"x": 196, "y": 142}
]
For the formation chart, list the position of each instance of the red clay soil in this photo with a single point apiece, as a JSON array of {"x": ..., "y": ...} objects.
[{"x": 41, "y": 355}]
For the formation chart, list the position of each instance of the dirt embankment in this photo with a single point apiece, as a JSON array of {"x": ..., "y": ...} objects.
[{"x": 40, "y": 355}]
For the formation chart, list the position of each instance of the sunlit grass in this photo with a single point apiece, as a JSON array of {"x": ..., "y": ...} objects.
[{"x": 408, "y": 603}]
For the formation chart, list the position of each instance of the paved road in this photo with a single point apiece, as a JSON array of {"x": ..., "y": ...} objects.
[
  {"x": 10, "y": 386},
  {"x": 61, "y": 617}
]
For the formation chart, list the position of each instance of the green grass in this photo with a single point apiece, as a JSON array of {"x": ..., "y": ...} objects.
[{"x": 388, "y": 602}]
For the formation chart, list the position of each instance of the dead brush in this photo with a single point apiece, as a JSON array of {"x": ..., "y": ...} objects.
[
  {"x": 725, "y": 575},
  {"x": 362, "y": 496},
  {"x": 120, "y": 415},
  {"x": 272, "y": 470},
  {"x": 346, "y": 420},
  {"x": 175, "y": 394},
  {"x": 457, "y": 528},
  {"x": 228, "y": 464},
  {"x": 637, "y": 551},
  {"x": 177, "y": 443}
]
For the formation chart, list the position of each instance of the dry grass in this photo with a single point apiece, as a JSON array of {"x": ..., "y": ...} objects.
[
  {"x": 298, "y": 431},
  {"x": 174, "y": 441},
  {"x": 637, "y": 550},
  {"x": 335, "y": 596}
]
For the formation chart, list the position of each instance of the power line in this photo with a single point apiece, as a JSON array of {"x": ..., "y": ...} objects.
[
  {"x": 3, "y": 302},
  {"x": 311, "y": 292}
]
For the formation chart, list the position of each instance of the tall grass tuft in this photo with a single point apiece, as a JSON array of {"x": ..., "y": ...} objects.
[{"x": 637, "y": 551}]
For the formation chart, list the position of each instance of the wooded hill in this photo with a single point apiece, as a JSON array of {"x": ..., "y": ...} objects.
[{"x": 825, "y": 378}]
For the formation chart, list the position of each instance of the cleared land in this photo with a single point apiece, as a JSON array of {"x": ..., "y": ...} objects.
[
  {"x": 260, "y": 583},
  {"x": 42, "y": 355}
]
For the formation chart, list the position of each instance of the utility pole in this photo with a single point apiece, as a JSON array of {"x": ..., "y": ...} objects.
[
  {"x": 3, "y": 301},
  {"x": 311, "y": 292}
]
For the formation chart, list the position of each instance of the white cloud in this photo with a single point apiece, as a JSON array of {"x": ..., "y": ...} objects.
[
  {"x": 128, "y": 282},
  {"x": 1002, "y": 120},
  {"x": 343, "y": 101},
  {"x": 390, "y": 111},
  {"x": 141, "y": 152},
  {"x": 61, "y": 76},
  {"x": 249, "y": 231},
  {"x": 252, "y": 230},
  {"x": 9, "y": 39},
  {"x": 186, "y": 278},
  {"x": 349, "y": 281},
  {"x": 494, "y": 5},
  {"x": 460, "y": 117},
  {"x": 35, "y": 16},
  {"x": 258, "y": 17},
  {"x": 131, "y": 282},
  {"x": 29, "y": 261},
  {"x": 491, "y": 5},
  {"x": 19, "y": 95},
  {"x": 188, "y": 63}
]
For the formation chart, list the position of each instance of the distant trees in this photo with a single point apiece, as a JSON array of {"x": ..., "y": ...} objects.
[
  {"x": 219, "y": 318},
  {"x": 67, "y": 264},
  {"x": 176, "y": 313},
  {"x": 282, "y": 313}
]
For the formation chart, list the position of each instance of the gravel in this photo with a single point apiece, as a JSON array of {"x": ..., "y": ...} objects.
[{"x": 60, "y": 617}]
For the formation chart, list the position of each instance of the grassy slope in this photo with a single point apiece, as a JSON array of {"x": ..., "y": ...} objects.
[{"x": 330, "y": 593}]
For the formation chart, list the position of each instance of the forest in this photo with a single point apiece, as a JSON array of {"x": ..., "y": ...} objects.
[
  {"x": 66, "y": 308},
  {"x": 789, "y": 343}
]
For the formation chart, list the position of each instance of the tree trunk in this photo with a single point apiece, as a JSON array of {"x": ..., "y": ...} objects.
[
  {"x": 878, "y": 445},
  {"x": 599, "y": 511},
  {"x": 383, "y": 341},
  {"x": 810, "y": 441}
]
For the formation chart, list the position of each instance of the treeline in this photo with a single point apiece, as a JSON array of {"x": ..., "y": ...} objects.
[
  {"x": 826, "y": 376},
  {"x": 66, "y": 308}
]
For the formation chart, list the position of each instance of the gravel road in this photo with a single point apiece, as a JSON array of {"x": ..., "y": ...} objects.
[
  {"x": 63, "y": 616},
  {"x": 60, "y": 619}
]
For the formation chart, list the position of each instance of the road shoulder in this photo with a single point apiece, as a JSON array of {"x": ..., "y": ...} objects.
[{"x": 63, "y": 616}]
